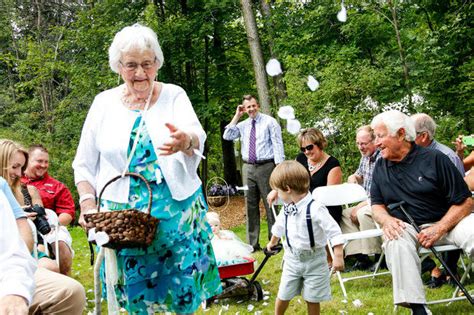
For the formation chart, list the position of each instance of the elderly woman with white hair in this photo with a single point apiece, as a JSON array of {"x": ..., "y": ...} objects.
[{"x": 149, "y": 127}]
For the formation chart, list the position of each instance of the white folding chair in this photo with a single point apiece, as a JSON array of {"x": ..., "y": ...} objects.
[{"x": 345, "y": 195}]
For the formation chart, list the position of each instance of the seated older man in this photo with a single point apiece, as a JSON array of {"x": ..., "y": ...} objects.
[
  {"x": 436, "y": 197},
  {"x": 359, "y": 217}
]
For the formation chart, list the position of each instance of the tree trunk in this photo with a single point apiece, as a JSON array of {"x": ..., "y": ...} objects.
[
  {"x": 204, "y": 164},
  {"x": 257, "y": 57},
  {"x": 230, "y": 169},
  {"x": 278, "y": 82},
  {"x": 401, "y": 52}
]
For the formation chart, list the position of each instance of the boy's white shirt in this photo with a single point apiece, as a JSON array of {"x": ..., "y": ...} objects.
[{"x": 324, "y": 226}]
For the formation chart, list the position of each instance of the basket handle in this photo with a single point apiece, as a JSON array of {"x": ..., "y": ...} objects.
[{"x": 136, "y": 175}]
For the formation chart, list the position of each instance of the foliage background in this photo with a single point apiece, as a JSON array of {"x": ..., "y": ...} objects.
[{"x": 53, "y": 61}]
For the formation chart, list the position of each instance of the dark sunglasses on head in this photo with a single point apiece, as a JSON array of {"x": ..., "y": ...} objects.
[{"x": 309, "y": 147}]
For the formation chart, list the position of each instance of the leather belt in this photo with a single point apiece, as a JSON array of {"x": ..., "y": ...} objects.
[{"x": 261, "y": 162}]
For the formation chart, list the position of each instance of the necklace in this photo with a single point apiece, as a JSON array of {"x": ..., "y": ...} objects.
[
  {"x": 138, "y": 103},
  {"x": 314, "y": 167}
]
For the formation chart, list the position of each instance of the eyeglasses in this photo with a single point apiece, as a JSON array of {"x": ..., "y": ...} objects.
[
  {"x": 309, "y": 147},
  {"x": 363, "y": 144},
  {"x": 133, "y": 66}
]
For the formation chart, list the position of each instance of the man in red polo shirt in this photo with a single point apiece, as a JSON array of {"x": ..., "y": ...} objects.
[{"x": 55, "y": 196}]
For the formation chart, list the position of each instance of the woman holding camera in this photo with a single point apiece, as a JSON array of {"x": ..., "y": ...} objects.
[
  {"x": 13, "y": 161},
  {"x": 149, "y": 127}
]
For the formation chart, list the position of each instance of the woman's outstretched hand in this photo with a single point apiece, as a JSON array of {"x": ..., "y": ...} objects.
[{"x": 179, "y": 141}]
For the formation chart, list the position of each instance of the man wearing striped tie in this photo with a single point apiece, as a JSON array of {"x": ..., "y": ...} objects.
[{"x": 262, "y": 149}]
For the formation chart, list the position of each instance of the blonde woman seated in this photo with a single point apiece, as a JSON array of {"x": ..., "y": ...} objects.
[{"x": 13, "y": 160}]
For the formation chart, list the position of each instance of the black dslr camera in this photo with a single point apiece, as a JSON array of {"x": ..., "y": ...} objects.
[{"x": 41, "y": 223}]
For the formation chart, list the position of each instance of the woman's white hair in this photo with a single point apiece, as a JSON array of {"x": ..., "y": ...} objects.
[
  {"x": 394, "y": 120},
  {"x": 130, "y": 38}
]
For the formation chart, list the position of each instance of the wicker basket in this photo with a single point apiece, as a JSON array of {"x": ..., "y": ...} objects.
[
  {"x": 216, "y": 201},
  {"x": 127, "y": 228}
]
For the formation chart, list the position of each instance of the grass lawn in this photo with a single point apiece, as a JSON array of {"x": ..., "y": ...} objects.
[{"x": 375, "y": 294}]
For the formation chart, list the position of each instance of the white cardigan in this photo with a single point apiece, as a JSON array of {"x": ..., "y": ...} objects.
[{"x": 102, "y": 150}]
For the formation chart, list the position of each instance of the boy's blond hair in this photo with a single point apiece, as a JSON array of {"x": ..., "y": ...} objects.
[{"x": 290, "y": 174}]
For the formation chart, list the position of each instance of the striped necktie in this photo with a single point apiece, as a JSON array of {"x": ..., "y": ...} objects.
[{"x": 252, "y": 146}]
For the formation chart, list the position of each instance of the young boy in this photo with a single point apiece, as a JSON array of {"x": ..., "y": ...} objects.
[{"x": 306, "y": 225}]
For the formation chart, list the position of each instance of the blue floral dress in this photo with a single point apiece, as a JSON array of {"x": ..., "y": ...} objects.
[{"x": 178, "y": 270}]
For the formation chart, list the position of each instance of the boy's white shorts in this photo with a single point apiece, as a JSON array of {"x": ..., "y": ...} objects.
[{"x": 305, "y": 272}]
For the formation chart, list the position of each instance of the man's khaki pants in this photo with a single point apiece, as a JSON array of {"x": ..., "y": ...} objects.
[
  {"x": 57, "y": 294},
  {"x": 404, "y": 262},
  {"x": 365, "y": 246}
]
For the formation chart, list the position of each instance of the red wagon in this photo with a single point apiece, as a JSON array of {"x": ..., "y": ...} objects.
[{"x": 234, "y": 284}]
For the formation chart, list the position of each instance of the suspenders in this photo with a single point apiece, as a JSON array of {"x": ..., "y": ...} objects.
[{"x": 309, "y": 225}]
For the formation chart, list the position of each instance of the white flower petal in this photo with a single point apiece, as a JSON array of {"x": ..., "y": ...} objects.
[
  {"x": 250, "y": 307},
  {"x": 293, "y": 126},
  {"x": 357, "y": 303},
  {"x": 312, "y": 83},
  {"x": 286, "y": 112},
  {"x": 273, "y": 67},
  {"x": 342, "y": 15}
]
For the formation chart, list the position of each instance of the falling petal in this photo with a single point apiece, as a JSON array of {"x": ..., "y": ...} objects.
[
  {"x": 273, "y": 67},
  {"x": 239, "y": 301},
  {"x": 250, "y": 307},
  {"x": 344, "y": 301},
  {"x": 266, "y": 292},
  {"x": 370, "y": 313},
  {"x": 266, "y": 297},
  {"x": 342, "y": 15},
  {"x": 293, "y": 126},
  {"x": 299, "y": 301},
  {"x": 313, "y": 84},
  {"x": 225, "y": 307},
  {"x": 258, "y": 313},
  {"x": 357, "y": 303},
  {"x": 90, "y": 290},
  {"x": 286, "y": 112},
  {"x": 265, "y": 281},
  {"x": 265, "y": 304}
]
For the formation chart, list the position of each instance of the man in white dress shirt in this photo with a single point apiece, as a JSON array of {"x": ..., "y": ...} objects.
[{"x": 262, "y": 149}]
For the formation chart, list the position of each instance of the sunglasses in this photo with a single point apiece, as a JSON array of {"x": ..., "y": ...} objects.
[{"x": 309, "y": 147}]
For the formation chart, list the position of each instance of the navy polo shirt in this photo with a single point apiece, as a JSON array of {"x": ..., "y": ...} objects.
[{"x": 425, "y": 179}]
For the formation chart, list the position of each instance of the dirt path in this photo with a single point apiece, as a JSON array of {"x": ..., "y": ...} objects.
[{"x": 233, "y": 214}]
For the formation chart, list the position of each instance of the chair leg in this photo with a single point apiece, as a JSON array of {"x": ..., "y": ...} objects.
[
  {"x": 341, "y": 282},
  {"x": 377, "y": 266}
]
